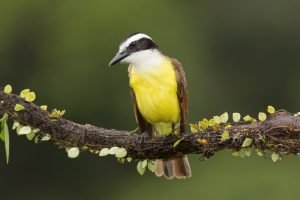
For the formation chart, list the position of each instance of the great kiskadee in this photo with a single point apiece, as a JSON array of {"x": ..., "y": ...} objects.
[{"x": 159, "y": 95}]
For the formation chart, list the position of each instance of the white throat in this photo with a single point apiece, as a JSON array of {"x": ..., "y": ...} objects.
[{"x": 145, "y": 59}]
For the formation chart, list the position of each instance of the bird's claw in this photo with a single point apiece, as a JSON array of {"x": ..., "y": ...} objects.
[{"x": 144, "y": 136}]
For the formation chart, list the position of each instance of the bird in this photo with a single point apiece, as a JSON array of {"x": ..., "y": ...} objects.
[{"x": 159, "y": 94}]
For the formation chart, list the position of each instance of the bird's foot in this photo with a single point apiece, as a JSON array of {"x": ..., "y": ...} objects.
[{"x": 144, "y": 136}]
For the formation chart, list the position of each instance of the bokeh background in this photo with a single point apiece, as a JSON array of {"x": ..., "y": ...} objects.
[{"x": 239, "y": 56}]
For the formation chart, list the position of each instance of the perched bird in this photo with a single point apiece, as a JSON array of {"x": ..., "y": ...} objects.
[{"x": 159, "y": 95}]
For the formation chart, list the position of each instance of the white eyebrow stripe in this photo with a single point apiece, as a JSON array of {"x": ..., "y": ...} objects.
[{"x": 136, "y": 37}]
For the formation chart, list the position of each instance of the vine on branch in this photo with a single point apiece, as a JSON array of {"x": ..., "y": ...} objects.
[{"x": 276, "y": 133}]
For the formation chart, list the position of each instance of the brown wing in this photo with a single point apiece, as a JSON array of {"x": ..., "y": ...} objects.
[
  {"x": 182, "y": 93},
  {"x": 144, "y": 126}
]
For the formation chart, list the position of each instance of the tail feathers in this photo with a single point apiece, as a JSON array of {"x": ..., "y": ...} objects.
[{"x": 175, "y": 168}]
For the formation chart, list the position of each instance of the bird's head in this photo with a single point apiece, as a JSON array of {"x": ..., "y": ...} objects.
[{"x": 136, "y": 48}]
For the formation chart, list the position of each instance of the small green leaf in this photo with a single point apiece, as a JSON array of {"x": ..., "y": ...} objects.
[
  {"x": 236, "y": 117},
  {"x": 6, "y": 138},
  {"x": 19, "y": 107},
  {"x": 36, "y": 139},
  {"x": 216, "y": 127},
  {"x": 15, "y": 125},
  {"x": 248, "y": 118},
  {"x": 262, "y": 116},
  {"x": 177, "y": 142},
  {"x": 30, "y": 97},
  {"x": 73, "y": 152},
  {"x": 152, "y": 166},
  {"x": 140, "y": 169},
  {"x": 56, "y": 113},
  {"x": 211, "y": 122},
  {"x": 104, "y": 152},
  {"x": 225, "y": 135},
  {"x": 30, "y": 136},
  {"x": 194, "y": 128},
  {"x": 45, "y": 137},
  {"x": 259, "y": 153},
  {"x": 235, "y": 153},
  {"x": 7, "y": 89},
  {"x": 24, "y": 130},
  {"x": 121, "y": 153},
  {"x": 44, "y": 107},
  {"x": 129, "y": 159},
  {"x": 275, "y": 157},
  {"x": 36, "y": 130},
  {"x": 113, "y": 150},
  {"x": 144, "y": 163},
  {"x": 228, "y": 126},
  {"x": 271, "y": 109},
  {"x": 224, "y": 117},
  {"x": 24, "y": 93},
  {"x": 203, "y": 124},
  {"x": 247, "y": 142},
  {"x": 247, "y": 151},
  {"x": 217, "y": 119},
  {"x": 18, "y": 128},
  {"x": 62, "y": 112}
]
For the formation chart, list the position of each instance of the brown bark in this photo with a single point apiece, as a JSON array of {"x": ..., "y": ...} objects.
[{"x": 279, "y": 133}]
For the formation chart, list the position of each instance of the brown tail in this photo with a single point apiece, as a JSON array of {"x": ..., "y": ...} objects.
[{"x": 174, "y": 168}]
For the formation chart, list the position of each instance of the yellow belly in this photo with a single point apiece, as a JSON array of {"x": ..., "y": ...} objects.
[{"x": 156, "y": 94}]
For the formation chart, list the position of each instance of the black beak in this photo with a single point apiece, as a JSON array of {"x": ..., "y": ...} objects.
[{"x": 120, "y": 56}]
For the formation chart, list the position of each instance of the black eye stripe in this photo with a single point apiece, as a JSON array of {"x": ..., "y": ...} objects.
[{"x": 141, "y": 44}]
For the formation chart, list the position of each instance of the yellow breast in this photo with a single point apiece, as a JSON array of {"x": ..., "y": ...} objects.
[{"x": 155, "y": 89}]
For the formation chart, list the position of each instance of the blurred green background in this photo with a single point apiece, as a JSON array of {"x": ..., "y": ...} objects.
[{"x": 238, "y": 56}]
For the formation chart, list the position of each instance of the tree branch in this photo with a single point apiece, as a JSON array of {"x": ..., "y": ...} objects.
[{"x": 280, "y": 133}]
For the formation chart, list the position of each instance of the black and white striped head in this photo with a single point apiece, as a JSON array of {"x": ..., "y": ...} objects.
[{"x": 136, "y": 48}]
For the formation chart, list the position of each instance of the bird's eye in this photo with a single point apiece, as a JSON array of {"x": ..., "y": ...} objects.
[{"x": 133, "y": 44}]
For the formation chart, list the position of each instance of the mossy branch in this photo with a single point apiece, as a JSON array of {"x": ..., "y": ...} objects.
[{"x": 279, "y": 133}]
